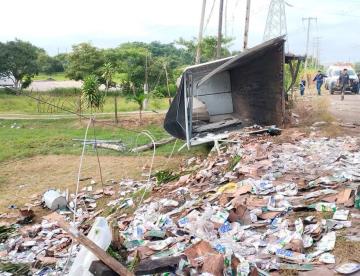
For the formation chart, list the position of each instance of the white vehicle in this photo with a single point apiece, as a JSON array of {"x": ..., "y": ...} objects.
[{"x": 332, "y": 79}]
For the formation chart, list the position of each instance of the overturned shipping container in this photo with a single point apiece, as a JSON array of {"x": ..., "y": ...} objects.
[{"x": 230, "y": 93}]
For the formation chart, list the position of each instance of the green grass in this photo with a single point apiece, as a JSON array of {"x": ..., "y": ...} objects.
[
  {"x": 118, "y": 77},
  {"x": 44, "y": 137},
  {"x": 55, "y": 76},
  {"x": 68, "y": 98}
]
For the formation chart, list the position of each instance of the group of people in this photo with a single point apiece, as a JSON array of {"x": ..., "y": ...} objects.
[{"x": 344, "y": 80}]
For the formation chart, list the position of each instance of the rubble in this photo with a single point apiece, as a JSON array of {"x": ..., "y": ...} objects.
[{"x": 276, "y": 207}]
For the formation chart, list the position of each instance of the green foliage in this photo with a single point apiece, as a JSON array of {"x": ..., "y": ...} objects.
[
  {"x": 84, "y": 60},
  {"x": 26, "y": 82},
  {"x": 165, "y": 176},
  {"x": 49, "y": 65},
  {"x": 16, "y": 269},
  {"x": 108, "y": 73},
  {"x": 132, "y": 62},
  {"x": 63, "y": 58},
  {"x": 92, "y": 94},
  {"x": 288, "y": 77},
  {"x": 234, "y": 161},
  {"x": 208, "y": 47},
  {"x": 18, "y": 59},
  {"x": 69, "y": 98},
  {"x": 49, "y": 137},
  {"x": 6, "y": 232}
]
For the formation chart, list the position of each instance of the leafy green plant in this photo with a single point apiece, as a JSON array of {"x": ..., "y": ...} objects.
[
  {"x": 19, "y": 269},
  {"x": 5, "y": 232},
  {"x": 108, "y": 74},
  {"x": 165, "y": 176},
  {"x": 91, "y": 93},
  {"x": 234, "y": 161},
  {"x": 139, "y": 98}
]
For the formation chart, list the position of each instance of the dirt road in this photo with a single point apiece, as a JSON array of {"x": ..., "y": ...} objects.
[
  {"x": 47, "y": 85},
  {"x": 347, "y": 111}
]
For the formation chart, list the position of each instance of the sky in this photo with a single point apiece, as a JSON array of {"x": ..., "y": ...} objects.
[{"x": 56, "y": 25}]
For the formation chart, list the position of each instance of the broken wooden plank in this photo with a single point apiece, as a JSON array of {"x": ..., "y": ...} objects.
[
  {"x": 90, "y": 245},
  {"x": 150, "y": 145}
]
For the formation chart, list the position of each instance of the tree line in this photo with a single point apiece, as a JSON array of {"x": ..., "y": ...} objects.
[{"x": 134, "y": 63}]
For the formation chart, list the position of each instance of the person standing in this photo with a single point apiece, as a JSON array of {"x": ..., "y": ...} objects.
[
  {"x": 302, "y": 87},
  {"x": 344, "y": 80},
  {"x": 319, "y": 78}
]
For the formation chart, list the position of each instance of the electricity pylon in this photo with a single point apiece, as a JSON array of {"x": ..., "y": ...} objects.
[{"x": 276, "y": 20}]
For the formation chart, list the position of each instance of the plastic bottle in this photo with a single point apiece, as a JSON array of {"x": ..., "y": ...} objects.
[{"x": 100, "y": 234}]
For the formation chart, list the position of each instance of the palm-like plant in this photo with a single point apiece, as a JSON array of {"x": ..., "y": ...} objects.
[
  {"x": 139, "y": 99},
  {"x": 108, "y": 73},
  {"x": 91, "y": 93}
]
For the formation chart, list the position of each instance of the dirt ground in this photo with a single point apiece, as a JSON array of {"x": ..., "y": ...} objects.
[
  {"x": 48, "y": 85},
  {"x": 25, "y": 179},
  {"x": 347, "y": 111}
]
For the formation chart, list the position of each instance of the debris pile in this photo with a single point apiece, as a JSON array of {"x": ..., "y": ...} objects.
[
  {"x": 278, "y": 207},
  {"x": 252, "y": 207}
]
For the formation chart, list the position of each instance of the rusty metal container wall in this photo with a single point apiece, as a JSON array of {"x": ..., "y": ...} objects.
[{"x": 258, "y": 88}]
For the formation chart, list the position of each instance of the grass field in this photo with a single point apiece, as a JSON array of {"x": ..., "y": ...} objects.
[
  {"x": 44, "y": 137},
  {"x": 118, "y": 77},
  {"x": 10, "y": 103},
  {"x": 55, "y": 76}
]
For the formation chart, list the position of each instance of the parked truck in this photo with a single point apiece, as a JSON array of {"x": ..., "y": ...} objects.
[{"x": 332, "y": 79}]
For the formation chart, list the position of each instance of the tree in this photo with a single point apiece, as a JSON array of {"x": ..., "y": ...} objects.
[
  {"x": 49, "y": 65},
  {"x": 92, "y": 94},
  {"x": 63, "y": 58},
  {"x": 84, "y": 60},
  {"x": 208, "y": 47},
  {"x": 139, "y": 98},
  {"x": 108, "y": 73},
  {"x": 19, "y": 61}
]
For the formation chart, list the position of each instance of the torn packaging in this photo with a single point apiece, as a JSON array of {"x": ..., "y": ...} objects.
[
  {"x": 200, "y": 249},
  {"x": 213, "y": 264}
]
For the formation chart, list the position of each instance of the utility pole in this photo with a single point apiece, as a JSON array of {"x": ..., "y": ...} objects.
[
  {"x": 219, "y": 38},
  {"x": 309, "y": 20},
  {"x": 317, "y": 51},
  {"x": 226, "y": 18},
  {"x": 201, "y": 29},
  {"x": 247, "y": 21}
]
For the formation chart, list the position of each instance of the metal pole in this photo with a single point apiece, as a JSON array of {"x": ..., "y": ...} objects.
[
  {"x": 247, "y": 21},
  {"x": 201, "y": 29},
  {"x": 218, "y": 48}
]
